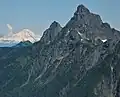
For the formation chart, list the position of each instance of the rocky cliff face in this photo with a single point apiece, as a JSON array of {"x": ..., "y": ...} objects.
[{"x": 78, "y": 60}]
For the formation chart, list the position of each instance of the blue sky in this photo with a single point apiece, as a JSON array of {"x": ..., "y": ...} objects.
[{"x": 37, "y": 15}]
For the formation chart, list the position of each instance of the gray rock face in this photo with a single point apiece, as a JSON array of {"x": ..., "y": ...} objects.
[
  {"x": 51, "y": 32},
  {"x": 90, "y": 24},
  {"x": 72, "y": 61}
]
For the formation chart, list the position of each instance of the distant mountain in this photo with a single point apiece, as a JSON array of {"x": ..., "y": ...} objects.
[
  {"x": 15, "y": 38},
  {"x": 81, "y": 59}
]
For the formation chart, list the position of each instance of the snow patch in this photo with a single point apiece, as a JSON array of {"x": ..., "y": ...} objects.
[
  {"x": 67, "y": 33},
  {"x": 81, "y": 39},
  {"x": 111, "y": 68},
  {"x": 83, "y": 36},
  {"x": 104, "y": 40},
  {"x": 80, "y": 34}
]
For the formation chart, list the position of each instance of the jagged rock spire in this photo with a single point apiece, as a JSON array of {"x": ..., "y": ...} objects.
[
  {"x": 51, "y": 32},
  {"x": 82, "y": 9},
  {"x": 55, "y": 24},
  {"x": 81, "y": 12}
]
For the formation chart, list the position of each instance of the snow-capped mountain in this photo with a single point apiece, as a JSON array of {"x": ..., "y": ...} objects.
[{"x": 14, "y": 38}]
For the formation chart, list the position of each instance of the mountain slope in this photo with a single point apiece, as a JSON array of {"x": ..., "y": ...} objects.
[{"x": 72, "y": 61}]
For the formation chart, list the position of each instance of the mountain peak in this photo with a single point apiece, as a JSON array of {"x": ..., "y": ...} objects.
[
  {"x": 27, "y": 30},
  {"x": 51, "y": 32},
  {"x": 80, "y": 13},
  {"x": 55, "y": 24},
  {"x": 89, "y": 24},
  {"x": 82, "y": 9}
]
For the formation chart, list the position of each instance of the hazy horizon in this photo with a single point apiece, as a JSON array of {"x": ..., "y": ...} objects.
[{"x": 37, "y": 15}]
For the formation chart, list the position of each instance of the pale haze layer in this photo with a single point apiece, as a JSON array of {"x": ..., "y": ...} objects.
[{"x": 37, "y": 15}]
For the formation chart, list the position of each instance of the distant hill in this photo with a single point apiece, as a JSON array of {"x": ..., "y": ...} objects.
[{"x": 23, "y": 44}]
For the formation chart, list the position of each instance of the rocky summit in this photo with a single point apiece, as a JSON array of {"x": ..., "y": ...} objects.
[{"x": 80, "y": 59}]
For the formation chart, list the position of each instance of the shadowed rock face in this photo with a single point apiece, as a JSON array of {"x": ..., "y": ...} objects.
[
  {"x": 90, "y": 24},
  {"x": 72, "y": 61},
  {"x": 51, "y": 32}
]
